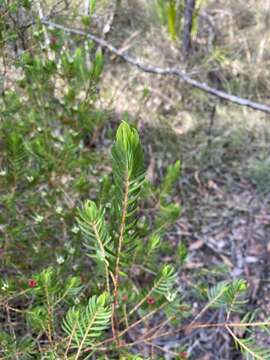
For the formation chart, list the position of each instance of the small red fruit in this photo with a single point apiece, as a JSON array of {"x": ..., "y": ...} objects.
[
  {"x": 32, "y": 283},
  {"x": 125, "y": 298},
  {"x": 53, "y": 40},
  {"x": 150, "y": 300},
  {"x": 183, "y": 355}
]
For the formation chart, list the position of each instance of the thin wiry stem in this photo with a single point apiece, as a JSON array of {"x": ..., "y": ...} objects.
[
  {"x": 141, "y": 301},
  {"x": 119, "y": 249},
  {"x": 123, "y": 332},
  {"x": 207, "y": 306},
  {"x": 150, "y": 336},
  {"x": 243, "y": 346},
  {"x": 104, "y": 257},
  {"x": 70, "y": 341},
  {"x": 85, "y": 336}
]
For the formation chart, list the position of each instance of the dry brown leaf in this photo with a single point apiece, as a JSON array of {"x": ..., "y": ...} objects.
[{"x": 196, "y": 245}]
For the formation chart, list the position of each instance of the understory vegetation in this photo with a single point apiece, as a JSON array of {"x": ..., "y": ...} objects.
[{"x": 134, "y": 209}]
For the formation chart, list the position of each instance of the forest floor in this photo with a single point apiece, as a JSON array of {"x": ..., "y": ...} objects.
[
  {"x": 225, "y": 184},
  {"x": 224, "y": 188}
]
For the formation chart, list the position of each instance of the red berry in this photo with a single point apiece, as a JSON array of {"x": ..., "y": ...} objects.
[
  {"x": 53, "y": 40},
  {"x": 183, "y": 355},
  {"x": 125, "y": 297},
  {"x": 150, "y": 300},
  {"x": 32, "y": 283}
]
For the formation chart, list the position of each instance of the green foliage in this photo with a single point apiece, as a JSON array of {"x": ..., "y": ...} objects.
[
  {"x": 128, "y": 174},
  {"x": 85, "y": 324},
  {"x": 92, "y": 223},
  {"x": 103, "y": 246},
  {"x": 165, "y": 283},
  {"x": 172, "y": 19},
  {"x": 108, "y": 234},
  {"x": 196, "y": 17},
  {"x": 128, "y": 166},
  {"x": 16, "y": 156},
  {"x": 258, "y": 171},
  {"x": 228, "y": 295},
  {"x": 171, "y": 177},
  {"x": 98, "y": 242},
  {"x": 251, "y": 350},
  {"x": 47, "y": 282},
  {"x": 11, "y": 348},
  {"x": 169, "y": 13},
  {"x": 48, "y": 117},
  {"x": 182, "y": 253},
  {"x": 85, "y": 279}
]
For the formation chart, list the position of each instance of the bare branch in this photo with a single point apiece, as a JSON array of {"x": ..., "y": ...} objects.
[{"x": 162, "y": 71}]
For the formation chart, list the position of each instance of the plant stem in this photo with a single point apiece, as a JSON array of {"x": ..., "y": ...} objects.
[
  {"x": 104, "y": 257},
  {"x": 117, "y": 266},
  {"x": 240, "y": 343}
]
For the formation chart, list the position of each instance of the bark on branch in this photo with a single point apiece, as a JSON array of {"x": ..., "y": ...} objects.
[{"x": 162, "y": 71}]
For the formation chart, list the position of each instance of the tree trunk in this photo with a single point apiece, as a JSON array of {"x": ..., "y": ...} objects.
[{"x": 188, "y": 16}]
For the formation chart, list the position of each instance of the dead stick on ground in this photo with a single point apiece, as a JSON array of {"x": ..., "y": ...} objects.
[{"x": 162, "y": 71}]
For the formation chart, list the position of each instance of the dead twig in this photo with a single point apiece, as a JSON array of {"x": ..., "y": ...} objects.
[{"x": 162, "y": 71}]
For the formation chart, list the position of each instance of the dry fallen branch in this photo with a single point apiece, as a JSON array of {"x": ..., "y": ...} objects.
[{"x": 162, "y": 71}]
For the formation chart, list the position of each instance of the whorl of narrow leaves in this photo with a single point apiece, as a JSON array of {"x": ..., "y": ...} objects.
[
  {"x": 86, "y": 324},
  {"x": 16, "y": 155},
  {"x": 128, "y": 172},
  {"x": 154, "y": 242},
  {"x": 128, "y": 160},
  {"x": 251, "y": 350},
  {"x": 228, "y": 295},
  {"x": 165, "y": 282},
  {"x": 92, "y": 224}
]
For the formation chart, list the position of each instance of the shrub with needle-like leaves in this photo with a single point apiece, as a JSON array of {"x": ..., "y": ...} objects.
[{"x": 129, "y": 297}]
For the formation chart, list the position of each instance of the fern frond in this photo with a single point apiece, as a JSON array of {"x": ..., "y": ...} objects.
[
  {"x": 165, "y": 282},
  {"x": 128, "y": 173},
  {"x": 128, "y": 166},
  {"x": 86, "y": 324},
  {"x": 228, "y": 295},
  {"x": 92, "y": 224},
  {"x": 154, "y": 243},
  {"x": 250, "y": 321},
  {"x": 235, "y": 295},
  {"x": 249, "y": 348},
  {"x": 97, "y": 239},
  {"x": 16, "y": 155}
]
